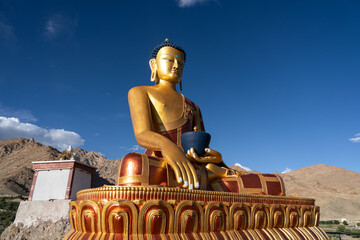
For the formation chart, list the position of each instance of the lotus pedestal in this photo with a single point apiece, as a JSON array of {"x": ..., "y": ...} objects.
[{"x": 114, "y": 212}]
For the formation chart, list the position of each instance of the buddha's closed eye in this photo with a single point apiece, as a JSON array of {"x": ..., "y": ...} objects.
[{"x": 167, "y": 59}]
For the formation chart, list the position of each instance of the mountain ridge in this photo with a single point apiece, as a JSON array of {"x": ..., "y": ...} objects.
[
  {"x": 336, "y": 190},
  {"x": 16, "y": 157}
]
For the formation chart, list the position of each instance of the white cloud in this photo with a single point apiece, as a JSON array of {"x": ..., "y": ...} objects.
[
  {"x": 57, "y": 25},
  {"x": 22, "y": 114},
  {"x": 134, "y": 148},
  {"x": 190, "y": 3},
  {"x": 287, "y": 170},
  {"x": 355, "y": 139},
  {"x": 243, "y": 167},
  {"x": 59, "y": 138}
]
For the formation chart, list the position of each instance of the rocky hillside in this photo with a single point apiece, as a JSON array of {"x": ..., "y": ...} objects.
[
  {"x": 44, "y": 230},
  {"x": 17, "y": 155},
  {"x": 106, "y": 168},
  {"x": 16, "y": 171},
  {"x": 336, "y": 190}
]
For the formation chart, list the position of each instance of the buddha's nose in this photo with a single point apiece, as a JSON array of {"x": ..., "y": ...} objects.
[{"x": 176, "y": 65}]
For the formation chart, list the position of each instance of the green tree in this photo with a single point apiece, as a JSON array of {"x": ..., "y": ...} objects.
[
  {"x": 357, "y": 232},
  {"x": 340, "y": 228},
  {"x": 345, "y": 222},
  {"x": 8, "y": 211}
]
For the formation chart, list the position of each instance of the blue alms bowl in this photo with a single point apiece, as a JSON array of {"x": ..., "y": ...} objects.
[{"x": 197, "y": 140}]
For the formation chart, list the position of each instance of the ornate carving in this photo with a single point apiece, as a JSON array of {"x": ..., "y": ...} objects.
[
  {"x": 156, "y": 217},
  {"x": 150, "y": 193},
  {"x": 216, "y": 217},
  {"x": 239, "y": 216},
  {"x": 90, "y": 217},
  {"x": 316, "y": 214},
  {"x": 306, "y": 216},
  {"x": 277, "y": 216},
  {"x": 185, "y": 219},
  {"x": 119, "y": 217},
  {"x": 292, "y": 217},
  {"x": 259, "y": 216},
  {"x": 74, "y": 217},
  {"x": 188, "y": 217}
]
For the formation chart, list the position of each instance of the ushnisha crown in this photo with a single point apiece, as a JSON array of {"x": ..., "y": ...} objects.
[{"x": 166, "y": 43}]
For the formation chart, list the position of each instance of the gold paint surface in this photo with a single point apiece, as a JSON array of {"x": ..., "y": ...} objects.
[{"x": 157, "y": 212}]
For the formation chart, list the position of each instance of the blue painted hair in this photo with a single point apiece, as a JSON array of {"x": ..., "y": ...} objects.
[{"x": 166, "y": 43}]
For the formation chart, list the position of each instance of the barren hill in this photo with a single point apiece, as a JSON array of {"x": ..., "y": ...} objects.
[
  {"x": 336, "y": 190},
  {"x": 16, "y": 171},
  {"x": 106, "y": 168},
  {"x": 17, "y": 155}
]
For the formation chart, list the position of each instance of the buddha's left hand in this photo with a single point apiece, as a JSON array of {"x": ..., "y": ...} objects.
[{"x": 211, "y": 156}]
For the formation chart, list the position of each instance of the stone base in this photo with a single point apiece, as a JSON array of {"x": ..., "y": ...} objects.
[
  {"x": 30, "y": 212},
  {"x": 171, "y": 213},
  {"x": 42, "y": 230}
]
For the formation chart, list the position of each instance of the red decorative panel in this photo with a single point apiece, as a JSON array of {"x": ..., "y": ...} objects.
[
  {"x": 233, "y": 186},
  {"x": 274, "y": 188},
  {"x": 251, "y": 181}
]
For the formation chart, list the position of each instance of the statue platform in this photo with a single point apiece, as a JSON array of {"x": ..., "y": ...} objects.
[{"x": 155, "y": 212}]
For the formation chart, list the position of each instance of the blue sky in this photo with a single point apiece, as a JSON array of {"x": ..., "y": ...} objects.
[{"x": 277, "y": 81}]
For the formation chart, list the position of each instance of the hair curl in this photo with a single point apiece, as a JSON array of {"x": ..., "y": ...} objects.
[{"x": 166, "y": 43}]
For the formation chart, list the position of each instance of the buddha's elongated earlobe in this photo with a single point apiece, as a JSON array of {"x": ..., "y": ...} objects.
[
  {"x": 180, "y": 84},
  {"x": 154, "y": 77}
]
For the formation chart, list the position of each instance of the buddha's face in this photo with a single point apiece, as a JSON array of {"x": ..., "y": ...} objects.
[{"x": 170, "y": 64}]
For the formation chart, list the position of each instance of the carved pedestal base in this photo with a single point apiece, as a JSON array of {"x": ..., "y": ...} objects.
[{"x": 170, "y": 213}]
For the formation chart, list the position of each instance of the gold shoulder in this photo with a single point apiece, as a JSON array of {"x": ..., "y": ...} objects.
[{"x": 137, "y": 90}]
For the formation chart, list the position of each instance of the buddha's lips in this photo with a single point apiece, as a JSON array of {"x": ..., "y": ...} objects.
[{"x": 174, "y": 71}]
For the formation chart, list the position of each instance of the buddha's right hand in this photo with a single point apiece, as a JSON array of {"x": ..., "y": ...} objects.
[
  {"x": 184, "y": 171},
  {"x": 211, "y": 156}
]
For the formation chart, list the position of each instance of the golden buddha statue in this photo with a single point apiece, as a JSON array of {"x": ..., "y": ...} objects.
[
  {"x": 160, "y": 115},
  {"x": 153, "y": 197}
]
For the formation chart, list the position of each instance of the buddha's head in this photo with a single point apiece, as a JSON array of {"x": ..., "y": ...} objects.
[{"x": 167, "y": 62}]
